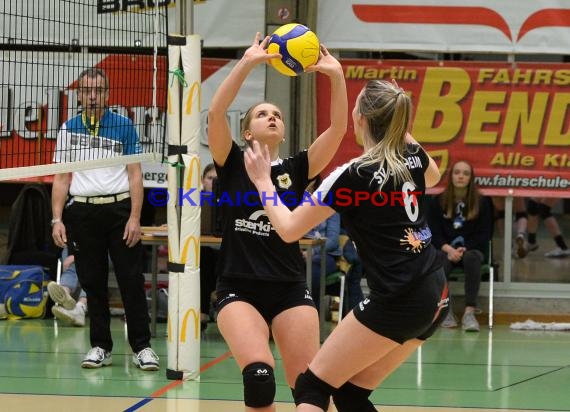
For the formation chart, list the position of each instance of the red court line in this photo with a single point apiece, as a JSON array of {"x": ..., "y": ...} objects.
[
  {"x": 203, "y": 368},
  {"x": 166, "y": 388},
  {"x": 214, "y": 362}
]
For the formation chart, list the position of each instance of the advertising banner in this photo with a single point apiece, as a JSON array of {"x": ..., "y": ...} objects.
[
  {"x": 447, "y": 26},
  {"x": 512, "y": 123}
]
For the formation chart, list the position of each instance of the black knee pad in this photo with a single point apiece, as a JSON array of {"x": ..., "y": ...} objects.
[
  {"x": 352, "y": 398},
  {"x": 520, "y": 215},
  {"x": 544, "y": 211},
  {"x": 532, "y": 207},
  {"x": 310, "y": 389},
  {"x": 258, "y": 385}
]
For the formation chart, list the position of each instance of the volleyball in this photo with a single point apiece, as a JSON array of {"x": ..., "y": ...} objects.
[
  {"x": 25, "y": 300},
  {"x": 298, "y": 46}
]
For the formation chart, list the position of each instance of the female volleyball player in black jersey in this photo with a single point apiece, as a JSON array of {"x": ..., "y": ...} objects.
[
  {"x": 261, "y": 279},
  {"x": 380, "y": 197}
]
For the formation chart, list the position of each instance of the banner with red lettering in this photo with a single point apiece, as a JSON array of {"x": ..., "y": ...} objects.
[
  {"x": 511, "y": 122},
  {"x": 447, "y": 26}
]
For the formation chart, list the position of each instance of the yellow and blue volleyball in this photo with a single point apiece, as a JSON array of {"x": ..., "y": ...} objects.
[
  {"x": 25, "y": 300},
  {"x": 298, "y": 46}
]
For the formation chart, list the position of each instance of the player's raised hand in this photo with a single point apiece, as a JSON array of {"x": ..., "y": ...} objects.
[
  {"x": 326, "y": 63},
  {"x": 257, "y": 52},
  {"x": 258, "y": 163}
]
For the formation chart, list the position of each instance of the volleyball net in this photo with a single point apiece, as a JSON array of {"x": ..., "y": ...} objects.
[
  {"x": 44, "y": 129},
  {"x": 45, "y": 46}
]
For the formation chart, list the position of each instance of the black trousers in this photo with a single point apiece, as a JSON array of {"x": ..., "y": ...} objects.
[
  {"x": 471, "y": 263},
  {"x": 95, "y": 233}
]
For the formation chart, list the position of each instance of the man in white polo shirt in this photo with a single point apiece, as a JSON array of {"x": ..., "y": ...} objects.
[{"x": 102, "y": 218}]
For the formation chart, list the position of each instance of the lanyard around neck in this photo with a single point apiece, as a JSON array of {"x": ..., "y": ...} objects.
[{"x": 93, "y": 126}]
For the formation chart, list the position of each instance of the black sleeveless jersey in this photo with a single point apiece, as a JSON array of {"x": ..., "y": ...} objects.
[
  {"x": 389, "y": 227},
  {"x": 251, "y": 248}
]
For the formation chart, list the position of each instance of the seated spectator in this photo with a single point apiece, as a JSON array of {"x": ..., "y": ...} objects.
[
  {"x": 64, "y": 294},
  {"x": 541, "y": 208},
  {"x": 459, "y": 220}
]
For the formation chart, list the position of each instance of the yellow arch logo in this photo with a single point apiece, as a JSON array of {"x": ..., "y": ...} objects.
[
  {"x": 187, "y": 249},
  {"x": 190, "y": 314},
  {"x": 193, "y": 175},
  {"x": 194, "y": 89}
]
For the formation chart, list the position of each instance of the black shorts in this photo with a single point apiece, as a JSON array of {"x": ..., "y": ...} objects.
[
  {"x": 269, "y": 298},
  {"x": 416, "y": 314}
]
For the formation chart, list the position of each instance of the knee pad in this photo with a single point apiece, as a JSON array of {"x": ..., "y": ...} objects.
[
  {"x": 532, "y": 207},
  {"x": 310, "y": 389},
  {"x": 352, "y": 398},
  {"x": 520, "y": 215},
  {"x": 544, "y": 211},
  {"x": 258, "y": 385}
]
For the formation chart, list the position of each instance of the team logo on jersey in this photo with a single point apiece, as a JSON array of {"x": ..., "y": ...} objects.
[
  {"x": 284, "y": 181},
  {"x": 412, "y": 241},
  {"x": 254, "y": 224}
]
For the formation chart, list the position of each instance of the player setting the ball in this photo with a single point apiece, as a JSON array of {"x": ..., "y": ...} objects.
[{"x": 262, "y": 288}]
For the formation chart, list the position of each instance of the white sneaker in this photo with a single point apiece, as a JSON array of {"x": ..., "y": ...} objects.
[
  {"x": 74, "y": 317},
  {"x": 96, "y": 357},
  {"x": 449, "y": 321},
  {"x": 60, "y": 295},
  {"x": 557, "y": 253},
  {"x": 469, "y": 322},
  {"x": 146, "y": 359}
]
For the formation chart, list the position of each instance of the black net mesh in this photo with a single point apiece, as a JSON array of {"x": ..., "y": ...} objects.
[{"x": 46, "y": 45}]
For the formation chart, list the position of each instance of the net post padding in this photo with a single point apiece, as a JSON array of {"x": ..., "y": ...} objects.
[{"x": 183, "y": 214}]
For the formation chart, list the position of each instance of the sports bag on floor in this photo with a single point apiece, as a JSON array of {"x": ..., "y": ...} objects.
[{"x": 23, "y": 291}]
